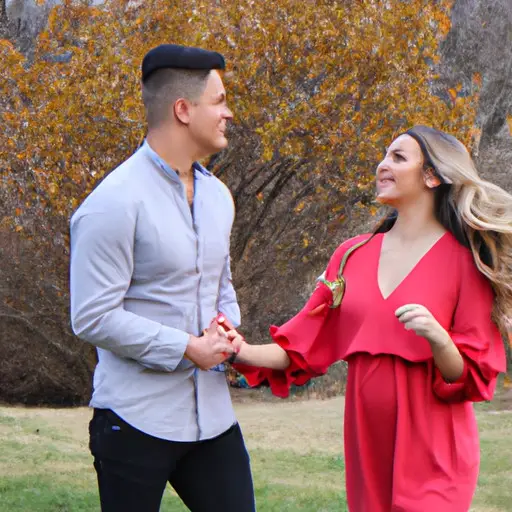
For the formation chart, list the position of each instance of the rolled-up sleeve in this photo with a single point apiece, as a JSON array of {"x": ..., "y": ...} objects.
[{"x": 102, "y": 245}]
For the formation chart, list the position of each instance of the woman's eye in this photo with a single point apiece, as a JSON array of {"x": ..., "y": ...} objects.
[{"x": 399, "y": 157}]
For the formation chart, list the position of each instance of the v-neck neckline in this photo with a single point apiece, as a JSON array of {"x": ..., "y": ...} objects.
[{"x": 411, "y": 272}]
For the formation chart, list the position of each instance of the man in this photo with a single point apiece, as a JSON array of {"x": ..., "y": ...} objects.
[{"x": 149, "y": 271}]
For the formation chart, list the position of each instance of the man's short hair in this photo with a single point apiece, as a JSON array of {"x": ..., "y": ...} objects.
[{"x": 164, "y": 87}]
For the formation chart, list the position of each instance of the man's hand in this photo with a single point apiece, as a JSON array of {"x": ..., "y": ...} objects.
[{"x": 209, "y": 350}]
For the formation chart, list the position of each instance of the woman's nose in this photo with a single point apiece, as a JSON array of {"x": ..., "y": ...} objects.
[{"x": 383, "y": 165}]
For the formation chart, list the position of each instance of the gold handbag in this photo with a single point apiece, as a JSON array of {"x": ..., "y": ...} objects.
[{"x": 337, "y": 287}]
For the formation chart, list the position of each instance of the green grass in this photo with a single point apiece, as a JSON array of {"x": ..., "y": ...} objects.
[
  {"x": 45, "y": 493},
  {"x": 46, "y": 467},
  {"x": 43, "y": 469},
  {"x": 495, "y": 480}
]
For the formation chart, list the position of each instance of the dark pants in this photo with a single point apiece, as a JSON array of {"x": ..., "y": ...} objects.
[{"x": 133, "y": 469}]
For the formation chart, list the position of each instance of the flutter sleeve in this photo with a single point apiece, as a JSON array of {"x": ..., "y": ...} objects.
[
  {"x": 309, "y": 338},
  {"x": 477, "y": 338}
]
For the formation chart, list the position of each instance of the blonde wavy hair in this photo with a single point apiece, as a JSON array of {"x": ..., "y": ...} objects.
[{"x": 477, "y": 212}]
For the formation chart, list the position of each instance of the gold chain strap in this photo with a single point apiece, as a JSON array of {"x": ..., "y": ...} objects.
[{"x": 337, "y": 287}]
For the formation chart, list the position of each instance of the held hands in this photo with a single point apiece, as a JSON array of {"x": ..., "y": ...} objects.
[
  {"x": 237, "y": 341},
  {"x": 419, "y": 319},
  {"x": 269, "y": 355},
  {"x": 210, "y": 349},
  {"x": 226, "y": 328}
]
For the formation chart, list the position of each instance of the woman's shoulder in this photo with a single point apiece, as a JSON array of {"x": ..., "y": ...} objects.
[
  {"x": 350, "y": 242},
  {"x": 347, "y": 244},
  {"x": 460, "y": 254},
  {"x": 461, "y": 264},
  {"x": 337, "y": 257}
]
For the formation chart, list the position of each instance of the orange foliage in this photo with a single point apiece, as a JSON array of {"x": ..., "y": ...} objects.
[{"x": 313, "y": 79}]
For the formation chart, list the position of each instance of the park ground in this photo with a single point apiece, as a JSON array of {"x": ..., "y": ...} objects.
[{"x": 295, "y": 445}]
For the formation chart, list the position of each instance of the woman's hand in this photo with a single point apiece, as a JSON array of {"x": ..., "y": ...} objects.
[
  {"x": 269, "y": 355},
  {"x": 447, "y": 357},
  {"x": 419, "y": 319},
  {"x": 234, "y": 337}
]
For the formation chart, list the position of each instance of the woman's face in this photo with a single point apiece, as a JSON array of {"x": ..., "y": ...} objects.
[{"x": 400, "y": 176}]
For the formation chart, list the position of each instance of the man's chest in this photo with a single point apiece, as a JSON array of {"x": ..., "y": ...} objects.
[{"x": 173, "y": 238}]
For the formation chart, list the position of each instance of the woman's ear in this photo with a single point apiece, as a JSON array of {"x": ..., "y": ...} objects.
[{"x": 431, "y": 178}]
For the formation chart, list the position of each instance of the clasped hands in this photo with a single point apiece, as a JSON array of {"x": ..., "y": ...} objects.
[{"x": 217, "y": 344}]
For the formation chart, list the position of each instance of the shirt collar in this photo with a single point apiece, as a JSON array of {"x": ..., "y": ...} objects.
[{"x": 158, "y": 160}]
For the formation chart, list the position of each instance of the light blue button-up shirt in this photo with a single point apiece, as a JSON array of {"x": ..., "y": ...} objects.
[{"x": 146, "y": 272}]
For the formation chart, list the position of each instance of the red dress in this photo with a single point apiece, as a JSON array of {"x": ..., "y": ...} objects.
[{"x": 411, "y": 440}]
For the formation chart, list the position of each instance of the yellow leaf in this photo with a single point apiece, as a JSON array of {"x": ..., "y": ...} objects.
[
  {"x": 7, "y": 44},
  {"x": 267, "y": 153},
  {"x": 300, "y": 207},
  {"x": 453, "y": 94}
]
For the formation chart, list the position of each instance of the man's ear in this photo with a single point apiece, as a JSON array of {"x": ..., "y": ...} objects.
[
  {"x": 431, "y": 179},
  {"x": 182, "y": 110}
]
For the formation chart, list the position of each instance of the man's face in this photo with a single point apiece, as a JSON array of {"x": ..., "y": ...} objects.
[{"x": 209, "y": 116}]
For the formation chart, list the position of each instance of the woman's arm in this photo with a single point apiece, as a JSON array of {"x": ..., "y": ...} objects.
[
  {"x": 270, "y": 356},
  {"x": 447, "y": 358}
]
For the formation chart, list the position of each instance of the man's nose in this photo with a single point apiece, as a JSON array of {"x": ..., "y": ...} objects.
[{"x": 228, "y": 114}]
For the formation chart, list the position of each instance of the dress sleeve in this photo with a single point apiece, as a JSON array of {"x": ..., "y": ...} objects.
[
  {"x": 309, "y": 338},
  {"x": 477, "y": 338}
]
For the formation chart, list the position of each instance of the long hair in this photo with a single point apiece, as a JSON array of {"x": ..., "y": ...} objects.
[{"x": 478, "y": 213}]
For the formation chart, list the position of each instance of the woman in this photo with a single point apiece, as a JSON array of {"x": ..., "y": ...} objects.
[{"x": 415, "y": 326}]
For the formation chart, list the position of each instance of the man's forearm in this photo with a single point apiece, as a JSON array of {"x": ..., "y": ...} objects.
[{"x": 153, "y": 345}]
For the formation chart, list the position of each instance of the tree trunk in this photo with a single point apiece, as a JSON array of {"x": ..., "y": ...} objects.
[{"x": 3, "y": 11}]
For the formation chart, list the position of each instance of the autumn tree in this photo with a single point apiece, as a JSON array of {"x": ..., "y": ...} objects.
[
  {"x": 319, "y": 88},
  {"x": 480, "y": 44}
]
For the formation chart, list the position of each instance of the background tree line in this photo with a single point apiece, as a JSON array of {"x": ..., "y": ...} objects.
[{"x": 319, "y": 88}]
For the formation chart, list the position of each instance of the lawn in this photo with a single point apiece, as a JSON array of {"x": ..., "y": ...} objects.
[{"x": 295, "y": 447}]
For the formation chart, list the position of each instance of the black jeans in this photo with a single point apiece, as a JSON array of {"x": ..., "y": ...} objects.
[{"x": 133, "y": 469}]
